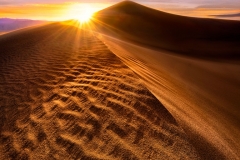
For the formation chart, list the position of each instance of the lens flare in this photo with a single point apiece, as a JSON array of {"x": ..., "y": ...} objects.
[{"x": 81, "y": 12}]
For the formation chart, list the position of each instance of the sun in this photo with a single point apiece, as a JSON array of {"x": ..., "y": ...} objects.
[
  {"x": 85, "y": 15},
  {"x": 81, "y": 12}
]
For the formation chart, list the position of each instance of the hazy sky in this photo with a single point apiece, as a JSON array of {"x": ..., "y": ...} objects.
[
  {"x": 212, "y": 3},
  {"x": 62, "y": 9}
]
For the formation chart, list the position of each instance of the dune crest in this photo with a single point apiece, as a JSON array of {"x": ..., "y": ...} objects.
[
  {"x": 64, "y": 95},
  {"x": 185, "y": 36},
  {"x": 190, "y": 64}
]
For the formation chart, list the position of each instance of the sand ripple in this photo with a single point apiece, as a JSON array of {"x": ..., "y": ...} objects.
[{"x": 64, "y": 95}]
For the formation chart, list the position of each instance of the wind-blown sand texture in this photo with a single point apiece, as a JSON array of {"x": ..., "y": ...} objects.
[
  {"x": 191, "y": 65},
  {"x": 65, "y": 95},
  {"x": 201, "y": 95}
]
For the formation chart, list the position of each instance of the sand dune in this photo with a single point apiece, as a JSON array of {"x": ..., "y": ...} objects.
[
  {"x": 65, "y": 95},
  {"x": 201, "y": 95},
  {"x": 191, "y": 65},
  {"x": 195, "y": 37},
  {"x": 141, "y": 84}
]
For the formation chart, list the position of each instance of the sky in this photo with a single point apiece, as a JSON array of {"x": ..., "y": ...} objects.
[{"x": 55, "y": 10}]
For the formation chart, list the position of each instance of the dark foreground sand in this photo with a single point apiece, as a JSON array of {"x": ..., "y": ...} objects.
[{"x": 65, "y": 95}]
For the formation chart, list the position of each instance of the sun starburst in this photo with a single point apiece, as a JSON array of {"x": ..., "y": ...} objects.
[{"x": 82, "y": 12}]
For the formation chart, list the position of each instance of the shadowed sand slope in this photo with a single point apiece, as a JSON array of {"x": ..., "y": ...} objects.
[
  {"x": 195, "y": 37},
  {"x": 64, "y": 95},
  {"x": 201, "y": 90},
  {"x": 202, "y": 95}
]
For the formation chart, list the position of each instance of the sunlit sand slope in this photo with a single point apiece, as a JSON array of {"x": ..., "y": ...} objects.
[{"x": 64, "y": 95}]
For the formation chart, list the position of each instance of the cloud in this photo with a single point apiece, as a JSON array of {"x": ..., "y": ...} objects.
[
  {"x": 58, "y": 11},
  {"x": 223, "y": 5},
  {"x": 3, "y": 2},
  {"x": 180, "y": 3}
]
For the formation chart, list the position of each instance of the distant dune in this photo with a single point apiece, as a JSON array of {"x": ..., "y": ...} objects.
[
  {"x": 195, "y": 37},
  {"x": 2, "y": 33},
  {"x": 7, "y": 24}
]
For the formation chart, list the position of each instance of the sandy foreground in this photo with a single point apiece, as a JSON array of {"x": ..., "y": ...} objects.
[{"x": 65, "y": 95}]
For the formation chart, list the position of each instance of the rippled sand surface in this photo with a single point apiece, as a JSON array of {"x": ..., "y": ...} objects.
[
  {"x": 191, "y": 65},
  {"x": 65, "y": 95}
]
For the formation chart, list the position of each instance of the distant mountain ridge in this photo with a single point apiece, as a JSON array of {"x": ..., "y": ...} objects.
[
  {"x": 8, "y": 24},
  {"x": 228, "y": 15}
]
